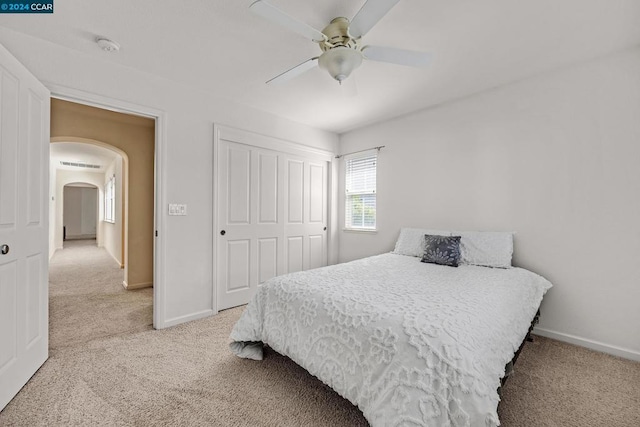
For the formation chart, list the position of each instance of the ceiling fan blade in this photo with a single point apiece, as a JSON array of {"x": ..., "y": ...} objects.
[
  {"x": 294, "y": 72},
  {"x": 369, "y": 15},
  {"x": 277, "y": 16},
  {"x": 397, "y": 56}
]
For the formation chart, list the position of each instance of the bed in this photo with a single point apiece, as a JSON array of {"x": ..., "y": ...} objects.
[{"x": 408, "y": 342}]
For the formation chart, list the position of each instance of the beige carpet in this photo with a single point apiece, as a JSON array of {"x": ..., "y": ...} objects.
[
  {"x": 87, "y": 300},
  {"x": 186, "y": 376}
]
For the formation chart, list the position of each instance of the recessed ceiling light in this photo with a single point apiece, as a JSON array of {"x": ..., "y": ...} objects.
[{"x": 107, "y": 45}]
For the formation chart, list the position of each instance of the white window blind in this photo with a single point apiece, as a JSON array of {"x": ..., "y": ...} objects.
[
  {"x": 360, "y": 189},
  {"x": 110, "y": 200}
]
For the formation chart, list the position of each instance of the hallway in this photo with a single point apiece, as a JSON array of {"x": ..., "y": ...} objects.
[{"x": 87, "y": 300}]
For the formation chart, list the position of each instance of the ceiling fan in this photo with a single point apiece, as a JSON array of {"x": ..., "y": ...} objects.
[{"x": 340, "y": 41}]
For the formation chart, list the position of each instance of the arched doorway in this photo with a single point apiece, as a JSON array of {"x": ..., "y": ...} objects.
[
  {"x": 80, "y": 211},
  {"x": 133, "y": 136},
  {"x": 88, "y": 296},
  {"x": 100, "y": 165},
  {"x": 136, "y": 137}
]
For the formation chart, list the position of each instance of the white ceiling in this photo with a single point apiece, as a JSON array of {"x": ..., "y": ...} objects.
[
  {"x": 80, "y": 153},
  {"x": 221, "y": 45}
]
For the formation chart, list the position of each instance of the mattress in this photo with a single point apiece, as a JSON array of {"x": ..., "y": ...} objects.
[{"x": 409, "y": 343}]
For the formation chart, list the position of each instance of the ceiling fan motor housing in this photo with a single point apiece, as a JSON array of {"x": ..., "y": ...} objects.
[
  {"x": 337, "y": 33},
  {"x": 341, "y": 53}
]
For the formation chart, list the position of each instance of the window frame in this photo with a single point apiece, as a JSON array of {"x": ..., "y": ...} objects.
[
  {"x": 347, "y": 223},
  {"x": 110, "y": 200}
]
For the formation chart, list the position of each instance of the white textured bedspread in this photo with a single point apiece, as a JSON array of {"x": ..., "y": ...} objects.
[{"x": 409, "y": 343}]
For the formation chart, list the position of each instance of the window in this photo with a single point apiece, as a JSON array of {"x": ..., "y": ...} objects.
[
  {"x": 110, "y": 200},
  {"x": 360, "y": 189}
]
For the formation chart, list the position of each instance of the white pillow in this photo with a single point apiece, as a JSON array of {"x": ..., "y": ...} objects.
[
  {"x": 411, "y": 240},
  {"x": 486, "y": 248}
]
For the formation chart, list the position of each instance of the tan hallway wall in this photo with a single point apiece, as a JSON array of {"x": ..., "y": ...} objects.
[{"x": 136, "y": 137}]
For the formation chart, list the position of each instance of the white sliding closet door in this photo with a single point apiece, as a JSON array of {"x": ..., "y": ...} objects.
[
  {"x": 305, "y": 202},
  {"x": 271, "y": 217}
]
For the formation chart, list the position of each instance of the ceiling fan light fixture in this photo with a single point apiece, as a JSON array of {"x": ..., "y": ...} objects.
[
  {"x": 341, "y": 41},
  {"x": 340, "y": 61}
]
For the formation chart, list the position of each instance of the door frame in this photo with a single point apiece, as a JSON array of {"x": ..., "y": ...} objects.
[
  {"x": 159, "y": 253},
  {"x": 228, "y": 133}
]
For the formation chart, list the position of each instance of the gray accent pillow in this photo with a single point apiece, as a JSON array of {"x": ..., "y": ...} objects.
[
  {"x": 411, "y": 240},
  {"x": 443, "y": 250}
]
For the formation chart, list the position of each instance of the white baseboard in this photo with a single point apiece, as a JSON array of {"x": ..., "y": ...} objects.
[
  {"x": 183, "y": 319},
  {"x": 114, "y": 258},
  {"x": 136, "y": 286},
  {"x": 590, "y": 344},
  {"x": 51, "y": 254}
]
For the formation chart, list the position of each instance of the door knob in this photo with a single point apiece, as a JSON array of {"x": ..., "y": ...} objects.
[
  {"x": 4, "y": 249},
  {"x": 325, "y": 229},
  {"x": 222, "y": 233}
]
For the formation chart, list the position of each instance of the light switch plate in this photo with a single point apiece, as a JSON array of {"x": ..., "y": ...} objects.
[{"x": 177, "y": 209}]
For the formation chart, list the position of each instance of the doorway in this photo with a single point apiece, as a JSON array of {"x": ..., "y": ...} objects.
[
  {"x": 111, "y": 277},
  {"x": 80, "y": 212},
  {"x": 133, "y": 137},
  {"x": 75, "y": 167}
]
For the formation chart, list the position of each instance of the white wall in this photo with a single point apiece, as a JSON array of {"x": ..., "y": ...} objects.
[
  {"x": 71, "y": 211},
  {"x": 190, "y": 115},
  {"x": 556, "y": 159},
  {"x": 89, "y": 211},
  {"x": 112, "y": 232},
  {"x": 80, "y": 211}
]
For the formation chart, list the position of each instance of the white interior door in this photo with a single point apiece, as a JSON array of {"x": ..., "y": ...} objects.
[
  {"x": 24, "y": 193},
  {"x": 272, "y": 217},
  {"x": 305, "y": 227}
]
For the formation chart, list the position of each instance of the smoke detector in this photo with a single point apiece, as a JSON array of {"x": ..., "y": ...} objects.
[{"x": 107, "y": 45}]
